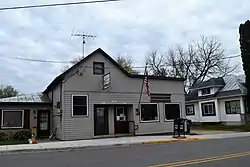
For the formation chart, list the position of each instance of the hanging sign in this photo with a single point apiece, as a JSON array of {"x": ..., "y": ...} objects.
[{"x": 106, "y": 80}]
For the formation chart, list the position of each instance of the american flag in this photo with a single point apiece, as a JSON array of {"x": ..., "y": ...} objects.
[{"x": 146, "y": 82}]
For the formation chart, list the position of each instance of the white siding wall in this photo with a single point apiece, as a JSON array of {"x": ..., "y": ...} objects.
[
  {"x": 221, "y": 115},
  {"x": 229, "y": 117},
  {"x": 209, "y": 118},
  {"x": 197, "y": 116}
]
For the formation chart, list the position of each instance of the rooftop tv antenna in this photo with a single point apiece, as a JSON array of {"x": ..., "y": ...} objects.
[{"x": 83, "y": 39}]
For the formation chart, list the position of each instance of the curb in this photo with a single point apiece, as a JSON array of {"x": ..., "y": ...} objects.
[
  {"x": 64, "y": 148},
  {"x": 28, "y": 150},
  {"x": 172, "y": 140}
]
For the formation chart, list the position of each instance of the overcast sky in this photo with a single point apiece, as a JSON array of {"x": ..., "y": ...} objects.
[{"x": 130, "y": 27}]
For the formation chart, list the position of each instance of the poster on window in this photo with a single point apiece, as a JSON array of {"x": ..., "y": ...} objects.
[{"x": 43, "y": 126}]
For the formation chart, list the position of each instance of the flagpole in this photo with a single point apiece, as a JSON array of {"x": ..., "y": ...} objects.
[{"x": 142, "y": 86}]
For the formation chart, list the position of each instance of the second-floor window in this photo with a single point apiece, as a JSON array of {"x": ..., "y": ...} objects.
[
  {"x": 206, "y": 91},
  {"x": 98, "y": 68}
]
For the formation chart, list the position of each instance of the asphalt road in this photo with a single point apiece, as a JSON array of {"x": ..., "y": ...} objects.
[{"x": 194, "y": 153}]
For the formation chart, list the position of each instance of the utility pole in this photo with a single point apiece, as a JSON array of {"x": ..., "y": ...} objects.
[{"x": 83, "y": 39}]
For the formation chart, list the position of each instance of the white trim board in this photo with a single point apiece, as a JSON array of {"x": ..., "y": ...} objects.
[
  {"x": 87, "y": 105},
  {"x": 2, "y": 119}
]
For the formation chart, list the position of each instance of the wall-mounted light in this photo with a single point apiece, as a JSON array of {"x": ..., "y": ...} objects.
[{"x": 137, "y": 111}]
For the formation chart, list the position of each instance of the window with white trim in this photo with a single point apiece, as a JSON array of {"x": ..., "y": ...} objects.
[
  {"x": 172, "y": 111},
  {"x": 79, "y": 105},
  {"x": 233, "y": 107},
  {"x": 190, "y": 110},
  {"x": 12, "y": 118},
  {"x": 206, "y": 91},
  {"x": 149, "y": 112},
  {"x": 208, "y": 109}
]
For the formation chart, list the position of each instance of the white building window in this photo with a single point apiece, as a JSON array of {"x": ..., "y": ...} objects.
[
  {"x": 206, "y": 91},
  {"x": 149, "y": 112},
  {"x": 190, "y": 110},
  {"x": 12, "y": 118},
  {"x": 79, "y": 105},
  {"x": 208, "y": 109},
  {"x": 233, "y": 107}
]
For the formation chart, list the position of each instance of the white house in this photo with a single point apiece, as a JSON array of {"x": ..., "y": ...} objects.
[{"x": 219, "y": 100}]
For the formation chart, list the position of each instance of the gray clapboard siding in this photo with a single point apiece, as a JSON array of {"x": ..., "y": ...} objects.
[
  {"x": 83, "y": 127},
  {"x": 77, "y": 127}
]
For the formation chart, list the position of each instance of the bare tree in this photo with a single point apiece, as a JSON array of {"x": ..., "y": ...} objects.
[
  {"x": 200, "y": 60},
  {"x": 72, "y": 62}
]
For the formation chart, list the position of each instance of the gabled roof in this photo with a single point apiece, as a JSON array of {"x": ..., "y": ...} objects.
[
  {"x": 27, "y": 98},
  {"x": 233, "y": 85},
  {"x": 60, "y": 78},
  {"x": 219, "y": 82}
]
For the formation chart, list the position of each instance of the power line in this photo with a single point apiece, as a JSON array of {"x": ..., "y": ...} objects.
[
  {"x": 229, "y": 57},
  {"x": 56, "y": 4},
  {"x": 37, "y": 60},
  {"x": 200, "y": 62},
  {"x": 66, "y": 62}
]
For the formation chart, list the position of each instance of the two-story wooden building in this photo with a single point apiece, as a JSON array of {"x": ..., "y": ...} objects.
[{"x": 97, "y": 97}]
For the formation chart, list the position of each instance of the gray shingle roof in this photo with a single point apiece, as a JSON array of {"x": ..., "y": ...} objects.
[
  {"x": 27, "y": 98},
  {"x": 211, "y": 82},
  {"x": 233, "y": 85}
]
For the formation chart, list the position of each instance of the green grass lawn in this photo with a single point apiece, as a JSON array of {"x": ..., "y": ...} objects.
[
  {"x": 239, "y": 128},
  {"x": 13, "y": 142}
]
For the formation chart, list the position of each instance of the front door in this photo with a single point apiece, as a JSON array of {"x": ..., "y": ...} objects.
[
  {"x": 101, "y": 121},
  {"x": 121, "y": 120},
  {"x": 43, "y": 123}
]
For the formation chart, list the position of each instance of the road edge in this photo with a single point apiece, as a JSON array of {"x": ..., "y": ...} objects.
[{"x": 72, "y": 148}]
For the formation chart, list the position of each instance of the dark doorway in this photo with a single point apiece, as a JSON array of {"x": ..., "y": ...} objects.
[
  {"x": 101, "y": 124},
  {"x": 121, "y": 120},
  {"x": 43, "y": 123}
]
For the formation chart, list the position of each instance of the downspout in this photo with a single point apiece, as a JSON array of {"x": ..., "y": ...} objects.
[
  {"x": 61, "y": 111},
  {"x": 52, "y": 115}
]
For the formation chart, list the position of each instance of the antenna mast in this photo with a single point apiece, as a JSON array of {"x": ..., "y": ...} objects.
[{"x": 83, "y": 39}]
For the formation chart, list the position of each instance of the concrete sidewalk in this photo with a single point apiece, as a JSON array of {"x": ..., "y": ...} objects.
[{"x": 62, "y": 145}]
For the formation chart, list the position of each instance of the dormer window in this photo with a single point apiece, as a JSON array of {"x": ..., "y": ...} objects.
[{"x": 206, "y": 91}]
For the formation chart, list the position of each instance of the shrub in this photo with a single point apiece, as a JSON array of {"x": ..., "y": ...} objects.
[
  {"x": 22, "y": 135},
  {"x": 3, "y": 136}
]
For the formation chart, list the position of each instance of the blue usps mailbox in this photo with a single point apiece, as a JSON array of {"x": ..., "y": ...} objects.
[{"x": 179, "y": 128}]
